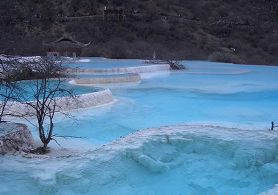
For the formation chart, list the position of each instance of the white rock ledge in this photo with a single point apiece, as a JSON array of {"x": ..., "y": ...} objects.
[
  {"x": 138, "y": 138},
  {"x": 135, "y": 69},
  {"x": 144, "y": 147},
  {"x": 67, "y": 103},
  {"x": 273, "y": 191},
  {"x": 113, "y": 79},
  {"x": 15, "y": 137}
]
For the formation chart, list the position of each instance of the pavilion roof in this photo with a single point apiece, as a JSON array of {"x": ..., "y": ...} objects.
[{"x": 66, "y": 42}]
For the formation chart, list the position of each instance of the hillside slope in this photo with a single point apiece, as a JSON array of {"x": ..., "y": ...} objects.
[{"x": 244, "y": 31}]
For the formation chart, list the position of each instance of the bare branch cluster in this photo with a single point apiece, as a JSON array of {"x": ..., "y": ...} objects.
[
  {"x": 39, "y": 94},
  {"x": 175, "y": 64}
]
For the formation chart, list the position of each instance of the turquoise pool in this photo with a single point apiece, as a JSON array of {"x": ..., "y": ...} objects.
[
  {"x": 206, "y": 93},
  {"x": 245, "y": 98},
  {"x": 29, "y": 90}
]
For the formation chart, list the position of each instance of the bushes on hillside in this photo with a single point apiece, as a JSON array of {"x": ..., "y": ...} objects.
[{"x": 227, "y": 57}]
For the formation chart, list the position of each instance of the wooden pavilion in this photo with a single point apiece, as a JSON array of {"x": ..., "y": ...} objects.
[{"x": 65, "y": 46}]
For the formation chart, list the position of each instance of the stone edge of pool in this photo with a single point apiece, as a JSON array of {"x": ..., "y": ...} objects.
[
  {"x": 102, "y": 80},
  {"x": 135, "y": 69},
  {"x": 87, "y": 100},
  {"x": 213, "y": 131}
]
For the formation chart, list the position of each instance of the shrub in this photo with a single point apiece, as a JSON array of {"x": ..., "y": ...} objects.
[{"x": 227, "y": 57}]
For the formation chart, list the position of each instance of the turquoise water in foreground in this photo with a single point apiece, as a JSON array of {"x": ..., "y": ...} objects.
[{"x": 206, "y": 93}]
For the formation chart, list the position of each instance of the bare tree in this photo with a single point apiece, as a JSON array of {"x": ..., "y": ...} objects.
[
  {"x": 7, "y": 94},
  {"x": 42, "y": 96},
  {"x": 175, "y": 64},
  {"x": 8, "y": 83},
  {"x": 38, "y": 85}
]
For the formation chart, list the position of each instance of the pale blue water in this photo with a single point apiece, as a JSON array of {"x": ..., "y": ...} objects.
[
  {"x": 207, "y": 93},
  {"x": 28, "y": 88},
  {"x": 248, "y": 99}
]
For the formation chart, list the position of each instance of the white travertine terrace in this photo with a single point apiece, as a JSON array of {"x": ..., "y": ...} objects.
[
  {"x": 124, "y": 78},
  {"x": 135, "y": 69},
  {"x": 273, "y": 191},
  {"x": 134, "y": 146},
  {"x": 67, "y": 103},
  {"x": 137, "y": 138}
]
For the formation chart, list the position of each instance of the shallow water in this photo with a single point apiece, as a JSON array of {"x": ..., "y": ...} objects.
[{"x": 206, "y": 93}]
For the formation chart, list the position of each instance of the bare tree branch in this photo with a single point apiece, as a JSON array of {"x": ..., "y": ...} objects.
[{"x": 39, "y": 96}]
